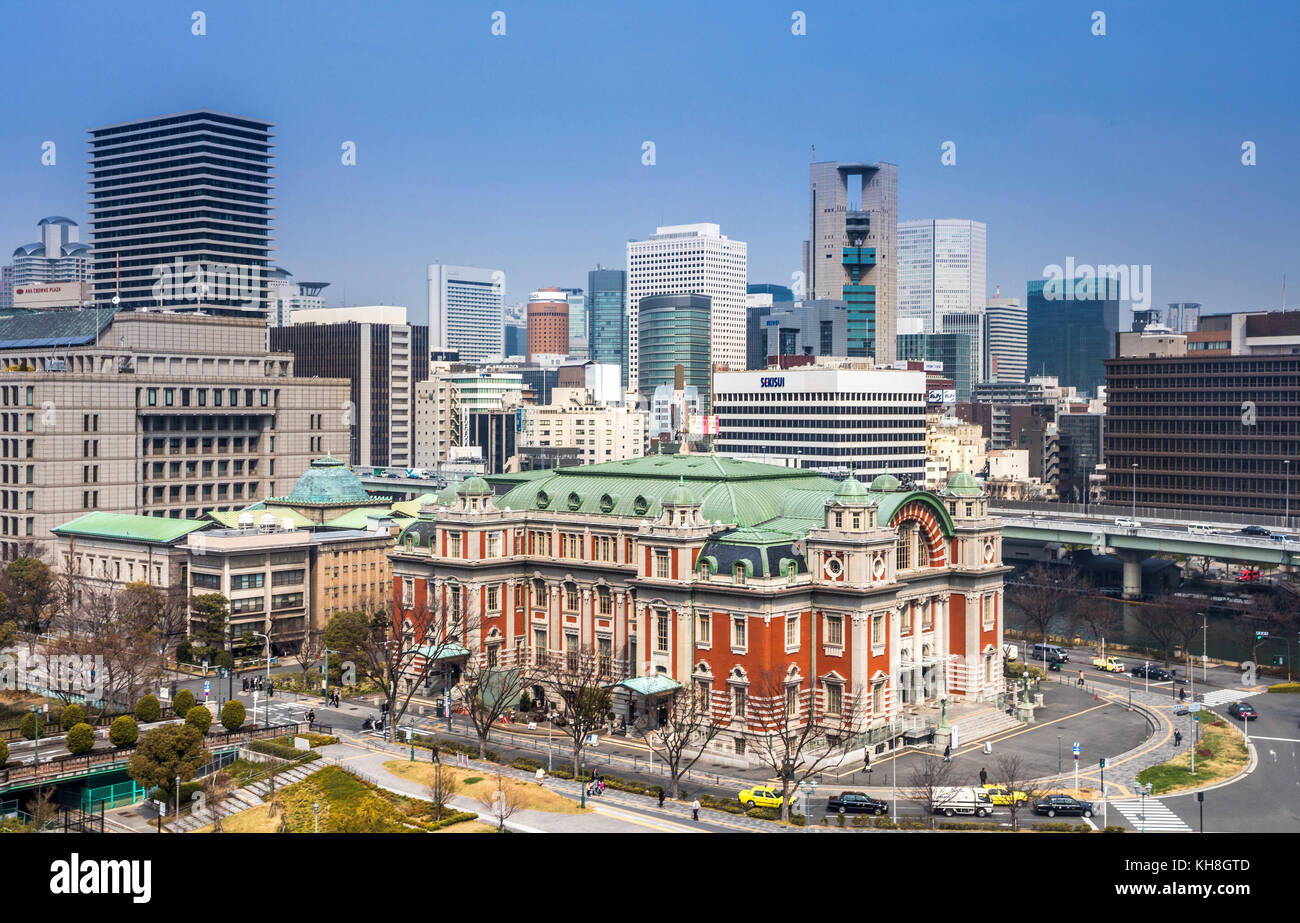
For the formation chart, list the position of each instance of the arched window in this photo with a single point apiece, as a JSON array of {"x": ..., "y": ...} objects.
[{"x": 903, "y": 548}]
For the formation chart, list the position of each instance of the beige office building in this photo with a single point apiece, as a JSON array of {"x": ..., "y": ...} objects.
[
  {"x": 149, "y": 413},
  {"x": 601, "y": 432}
]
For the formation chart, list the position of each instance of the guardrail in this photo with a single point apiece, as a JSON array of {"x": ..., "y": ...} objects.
[{"x": 1108, "y": 510}]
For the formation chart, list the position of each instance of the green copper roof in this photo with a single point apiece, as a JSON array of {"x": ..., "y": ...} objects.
[
  {"x": 328, "y": 480},
  {"x": 657, "y": 684},
  {"x": 851, "y": 489},
  {"x": 155, "y": 529},
  {"x": 963, "y": 484},
  {"x": 475, "y": 485},
  {"x": 885, "y": 482},
  {"x": 447, "y": 496},
  {"x": 681, "y": 495}
]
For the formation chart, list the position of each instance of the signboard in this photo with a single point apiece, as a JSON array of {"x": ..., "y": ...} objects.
[
  {"x": 301, "y": 743},
  {"x": 207, "y": 688},
  {"x": 593, "y": 740},
  {"x": 933, "y": 366},
  {"x": 954, "y": 740},
  {"x": 777, "y": 381},
  {"x": 50, "y": 295},
  {"x": 1194, "y": 707},
  {"x": 1077, "y": 749}
]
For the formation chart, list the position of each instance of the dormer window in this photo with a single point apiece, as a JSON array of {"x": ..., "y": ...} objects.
[
  {"x": 839, "y": 520},
  {"x": 669, "y": 515},
  {"x": 857, "y": 520}
]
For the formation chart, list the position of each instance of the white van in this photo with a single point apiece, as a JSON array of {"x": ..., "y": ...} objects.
[
  {"x": 950, "y": 801},
  {"x": 1197, "y": 529},
  {"x": 1125, "y": 522}
]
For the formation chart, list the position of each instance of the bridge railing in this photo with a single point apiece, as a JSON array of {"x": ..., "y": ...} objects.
[
  {"x": 1143, "y": 512},
  {"x": 63, "y": 766}
]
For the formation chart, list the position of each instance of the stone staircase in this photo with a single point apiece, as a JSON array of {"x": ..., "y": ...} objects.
[
  {"x": 982, "y": 723},
  {"x": 241, "y": 799}
]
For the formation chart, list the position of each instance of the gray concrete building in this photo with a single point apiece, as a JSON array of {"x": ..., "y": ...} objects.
[{"x": 149, "y": 413}]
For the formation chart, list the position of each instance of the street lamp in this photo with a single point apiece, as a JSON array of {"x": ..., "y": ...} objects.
[
  {"x": 328, "y": 651},
  {"x": 1134, "y": 466},
  {"x": 36, "y": 741},
  {"x": 1058, "y": 754},
  {"x": 1145, "y": 790},
  {"x": 315, "y": 820},
  {"x": 808, "y": 786},
  {"x": 266, "y": 719}
]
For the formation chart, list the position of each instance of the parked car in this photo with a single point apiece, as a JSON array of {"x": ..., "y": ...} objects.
[
  {"x": 854, "y": 803},
  {"x": 1256, "y": 530},
  {"x": 1127, "y": 522},
  {"x": 1158, "y": 674},
  {"x": 1108, "y": 664},
  {"x": 952, "y": 801},
  {"x": 761, "y": 796},
  {"x": 1242, "y": 712},
  {"x": 1000, "y": 794},
  {"x": 1051, "y": 805}
]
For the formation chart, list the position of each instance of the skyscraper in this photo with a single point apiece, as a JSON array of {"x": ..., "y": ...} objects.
[
  {"x": 941, "y": 269},
  {"x": 676, "y": 331},
  {"x": 548, "y": 323},
  {"x": 607, "y": 317},
  {"x": 577, "y": 321},
  {"x": 689, "y": 259},
  {"x": 1005, "y": 340},
  {"x": 466, "y": 311},
  {"x": 181, "y": 211},
  {"x": 852, "y": 250},
  {"x": 284, "y": 296},
  {"x": 58, "y": 256},
  {"x": 1071, "y": 326}
]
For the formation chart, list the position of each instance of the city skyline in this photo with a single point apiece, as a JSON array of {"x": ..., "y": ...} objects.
[{"x": 1021, "y": 159}]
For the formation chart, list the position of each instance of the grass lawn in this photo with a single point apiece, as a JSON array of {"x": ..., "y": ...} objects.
[
  {"x": 15, "y": 705},
  {"x": 469, "y": 826},
  {"x": 1227, "y": 758},
  {"x": 532, "y": 796}
]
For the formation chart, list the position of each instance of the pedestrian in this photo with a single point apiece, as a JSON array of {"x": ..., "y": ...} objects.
[
  {"x": 695, "y": 809},
  {"x": 984, "y": 777},
  {"x": 1080, "y": 677},
  {"x": 662, "y": 796},
  {"x": 1178, "y": 738},
  {"x": 1182, "y": 694},
  {"x": 245, "y": 684},
  {"x": 541, "y": 774},
  {"x": 947, "y": 753}
]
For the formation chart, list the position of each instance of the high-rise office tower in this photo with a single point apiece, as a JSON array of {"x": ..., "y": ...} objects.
[
  {"x": 466, "y": 306},
  {"x": 1006, "y": 340},
  {"x": 675, "y": 333},
  {"x": 1071, "y": 327},
  {"x": 1182, "y": 316},
  {"x": 58, "y": 256},
  {"x": 548, "y": 323},
  {"x": 284, "y": 296},
  {"x": 383, "y": 357},
  {"x": 607, "y": 317},
  {"x": 577, "y": 321},
  {"x": 181, "y": 211},
  {"x": 852, "y": 250},
  {"x": 971, "y": 324},
  {"x": 687, "y": 259},
  {"x": 6, "y": 287},
  {"x": 941, "y": 269}
]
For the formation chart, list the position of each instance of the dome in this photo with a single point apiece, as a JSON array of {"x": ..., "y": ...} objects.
[
  {"x": 475, "y": 485},
  {"x": 328, "y": 480},
  {"x": 446, "y": 496},
  {"x": 681, "y": 495},
  {"x": 885, "y": 482},
  {"x": 963, "y": 484},
  {"x": 851, "y": 489}
]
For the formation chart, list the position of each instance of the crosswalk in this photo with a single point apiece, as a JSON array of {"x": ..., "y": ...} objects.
[
  {"x": 1159, "y": 819},
  {"x": 1225, "y": 696}
]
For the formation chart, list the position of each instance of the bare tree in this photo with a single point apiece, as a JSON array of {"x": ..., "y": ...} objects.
[
  {"x": 689, "y": 728},
  {"x": 787, "y": 730},
  {"x": 216, "y": 789},
  {"x": 309, "y": 651},
  {"x": 442, "y": 786},
  {"x": 580, "y": 678},
  {"x": 1045, "y": 597},
  {"x": 1012, "y": 771},
  {"x": 1171, "y": 623},
  {"x": 502, "y": 803},
  {"x": 927, "y": 782},
  {"x": 488, "y": 692},
  {"x": 1101, "y": 616}
]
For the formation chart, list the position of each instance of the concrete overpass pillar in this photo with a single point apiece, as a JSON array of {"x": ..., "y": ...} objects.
[{"x": 1132, "y": 573}]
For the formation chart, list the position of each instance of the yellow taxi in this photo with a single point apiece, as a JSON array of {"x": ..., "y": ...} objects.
[
  {"x": 761, "y": 796},
  {"x": 1000, "y": 794}
]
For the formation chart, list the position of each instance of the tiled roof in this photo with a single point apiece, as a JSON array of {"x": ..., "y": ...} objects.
[{"x": 157, "y": 529}]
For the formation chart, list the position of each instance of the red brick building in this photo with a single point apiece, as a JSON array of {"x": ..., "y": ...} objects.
[{"x": 868, "y": 602}]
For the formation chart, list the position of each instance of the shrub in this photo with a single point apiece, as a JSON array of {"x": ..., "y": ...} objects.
[
  {"x": 1204, "y": 753},
  {"x": 981, "y": 826},
  {"x": 842, "y": 819},
  {"x": 71, "y": 716},
  {"x": 525, "y": 703},
  {"x": 147, "y": 709},
  {"x": 1058, "y": 826},
  {"x": 452, "y": 746},
  {"x": 183, "y": 702},
  {"x": 31, "y": 725},
  {"x": 185, "y": 652},
  {"x": 1113, "y": 828},
  {"x": 199, "y": 718},
  {"x": 883, "y": 822},
  {"x": 124, "y": 732},
  {"x": 80, "y": 739},
  {"x": 233, "y": 715},
  {"x": 4, "y": 753},
  {"x": 455, "y": 817},
  {"x": 1284, "y": 687},
  {"x": 283, "y": 751}
]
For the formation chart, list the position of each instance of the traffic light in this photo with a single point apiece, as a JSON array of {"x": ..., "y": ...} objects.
[{"x": 1103, "y": 762}]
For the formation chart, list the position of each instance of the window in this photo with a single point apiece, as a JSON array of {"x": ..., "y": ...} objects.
[
  {"x": 453, "y": 542},
  {"x": 493, "y": 598},
  {"x": 878, "y": 698},
  {"x": 738, "y": 701},
  {"x": 605, "y": 601},
  {"x": 286, "y": 601},
  {"x": 792, "y": 632},
  {"x": 878, "y": 632},
  {"x": 704, "y": 632},
  {"x": 661, "y": 564},
  {"x": 834, "y": 698},
  {"x": 906, "y": 619},
  {"x": 903, "y": 550},
  {"x": 835, "y": 630},
  {"x": 839, "y": 520},
  {"x": 539, "y": 593},
  {"x": 287, "y": 577},
  {"x": 927, "y": 616},
  {"x": 605, "y": 651},
  {"x": 255, "y": 604},
  {"x": 494, "y": 545},
  {"x": 539, "y": 644},
  {"x": 205, "y": 581},
  {"x": 571, "y": 597},
  {"x": 738, "y": 633},
  {"x": 571, "y": 650},
  {"x": 661, "y": 630},
  {"x": 990, "y": 609},
  {"x": 570, "y": 545},
  {"x": 408, "y": 592},
  {"x": 791, "y": 700},
  {"x": 247, "y": 581}
]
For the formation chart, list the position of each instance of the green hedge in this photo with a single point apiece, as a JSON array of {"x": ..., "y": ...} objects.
[
  {"x": 1114, "y": 828},
  {"x": 425, "y": 741},
  {"x": 985, "y": 827},
  {"x": 1285, "y": 687},
  {"x": 456, "y": 817},
  {"x": 1062, "y": 827}
]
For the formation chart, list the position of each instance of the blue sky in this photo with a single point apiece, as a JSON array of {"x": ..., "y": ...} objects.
[{"x": 523, "y": 152}]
